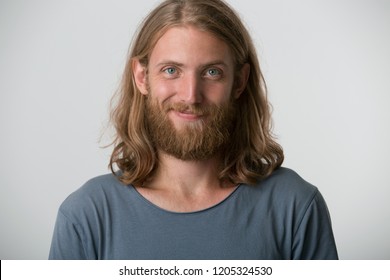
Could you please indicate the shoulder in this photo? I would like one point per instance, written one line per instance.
(96, 186)
(287, 181)
(283, 187)
(93, 195)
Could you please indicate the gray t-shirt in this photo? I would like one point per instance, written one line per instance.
(282, 217)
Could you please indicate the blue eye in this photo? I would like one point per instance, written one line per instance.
(213, 72)
(170, 70)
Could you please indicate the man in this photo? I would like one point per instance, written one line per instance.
(199, 172)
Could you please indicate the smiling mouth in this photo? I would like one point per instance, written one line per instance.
(188, 115)
(186, 109)
(190, 112)
(187, 112)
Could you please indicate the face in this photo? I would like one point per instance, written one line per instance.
(191, 90)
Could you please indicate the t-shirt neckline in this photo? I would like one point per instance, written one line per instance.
(149, 203)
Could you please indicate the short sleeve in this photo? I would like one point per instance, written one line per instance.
(67, 242)
(314, 236)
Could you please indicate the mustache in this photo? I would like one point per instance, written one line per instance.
(195, 109)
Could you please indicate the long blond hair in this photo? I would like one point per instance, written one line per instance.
(252, 153)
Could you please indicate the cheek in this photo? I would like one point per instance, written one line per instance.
(218, 92)
(162, 89)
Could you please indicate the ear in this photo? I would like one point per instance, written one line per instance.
(242, 80)
(140, 77)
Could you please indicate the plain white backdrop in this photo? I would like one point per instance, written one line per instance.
(327, 67)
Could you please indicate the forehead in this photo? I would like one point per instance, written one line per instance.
(190, 45)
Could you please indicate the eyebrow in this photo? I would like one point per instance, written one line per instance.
(169, 62)
(175, 63)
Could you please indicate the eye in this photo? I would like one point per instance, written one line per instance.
(213, 73)
(170, 70)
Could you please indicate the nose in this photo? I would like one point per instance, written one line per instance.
(191, 89)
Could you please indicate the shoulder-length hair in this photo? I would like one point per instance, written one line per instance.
(252, 153)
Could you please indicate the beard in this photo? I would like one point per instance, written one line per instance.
(194, 140)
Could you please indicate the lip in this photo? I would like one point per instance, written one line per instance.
(188, 116)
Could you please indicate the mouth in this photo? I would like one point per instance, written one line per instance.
(188, 115)
(187, 112)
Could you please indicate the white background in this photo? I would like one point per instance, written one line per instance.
(326, 64)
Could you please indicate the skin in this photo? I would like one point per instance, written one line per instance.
(188, 66)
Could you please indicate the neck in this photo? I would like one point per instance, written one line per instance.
(185, 176)
(185, 186)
